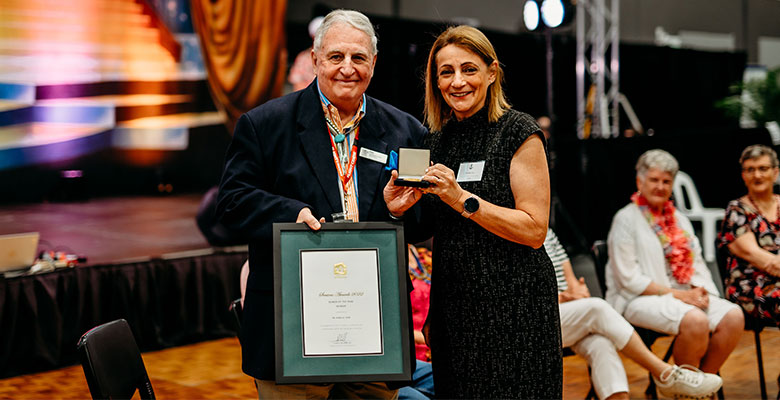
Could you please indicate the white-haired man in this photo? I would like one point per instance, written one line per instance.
(304, 157)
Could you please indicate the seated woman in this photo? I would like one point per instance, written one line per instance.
(420, 275)
(657, 278)
(751, 235)
(594, 330)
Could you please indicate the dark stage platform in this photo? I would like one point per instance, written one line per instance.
(147, 262)
(111, 230)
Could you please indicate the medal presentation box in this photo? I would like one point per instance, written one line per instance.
(341, 305)
(412, 164)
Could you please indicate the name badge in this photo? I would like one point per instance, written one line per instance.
(373, 155)
(470, 171)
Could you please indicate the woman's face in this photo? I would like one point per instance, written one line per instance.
(656, 187)
(759, 174)
(463, 79)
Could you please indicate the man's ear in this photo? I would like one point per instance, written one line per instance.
(314, 61)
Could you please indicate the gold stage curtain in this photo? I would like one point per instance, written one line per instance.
(243, 45)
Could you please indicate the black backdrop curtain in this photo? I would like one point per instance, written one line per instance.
(166, 302)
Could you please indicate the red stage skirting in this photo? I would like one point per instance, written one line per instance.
(165, 280)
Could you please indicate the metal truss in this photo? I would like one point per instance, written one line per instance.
(598, 30)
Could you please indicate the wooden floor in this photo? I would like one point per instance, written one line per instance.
(212, 370)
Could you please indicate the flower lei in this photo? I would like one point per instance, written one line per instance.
(675, 241)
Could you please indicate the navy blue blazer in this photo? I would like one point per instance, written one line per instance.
(280, 161)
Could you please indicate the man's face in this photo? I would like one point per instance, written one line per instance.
(344, 65)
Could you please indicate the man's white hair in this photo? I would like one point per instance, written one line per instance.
(354, 18)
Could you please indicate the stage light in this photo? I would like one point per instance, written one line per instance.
(531, 15)
(552, 13)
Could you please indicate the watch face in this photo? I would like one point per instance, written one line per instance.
(471, 205)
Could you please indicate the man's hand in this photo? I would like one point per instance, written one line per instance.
(307, 217)
(399, 198)
(696, 296)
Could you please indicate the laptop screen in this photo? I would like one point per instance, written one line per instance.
(17, 251)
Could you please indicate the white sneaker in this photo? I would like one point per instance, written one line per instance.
(687, 382)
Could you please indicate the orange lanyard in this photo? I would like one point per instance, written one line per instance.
(345, 177)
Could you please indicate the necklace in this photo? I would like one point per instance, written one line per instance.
(339, 136)
(755, 205)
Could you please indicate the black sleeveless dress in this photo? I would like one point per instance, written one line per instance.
(495, 328)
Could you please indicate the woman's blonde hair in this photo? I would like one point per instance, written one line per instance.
(437, 112)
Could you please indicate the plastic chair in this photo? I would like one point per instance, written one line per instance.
(112, 362)
(683, 189)
(751, 324)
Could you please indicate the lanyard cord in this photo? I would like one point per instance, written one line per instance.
(344, 176)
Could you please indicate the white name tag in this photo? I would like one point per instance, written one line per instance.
(373, 155)
(470, 171)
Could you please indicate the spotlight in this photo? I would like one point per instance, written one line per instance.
(531, 15)
(538, 14)
(552, 13)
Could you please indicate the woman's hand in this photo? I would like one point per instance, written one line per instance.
(399, 198)
(773, 266)
(419, 338)
(746, 247)
(577, 290)
(696, 296)
(580, 289)
(426, 331)
(444, 185)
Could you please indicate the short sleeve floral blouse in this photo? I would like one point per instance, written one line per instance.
(755, 290)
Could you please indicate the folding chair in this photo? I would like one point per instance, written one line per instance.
(112, 362)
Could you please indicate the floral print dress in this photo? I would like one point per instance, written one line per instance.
(754, 289)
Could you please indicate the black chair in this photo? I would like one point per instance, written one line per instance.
(237, 310)
(112, 362)
(582, 268)
(600, 255)
(751, 323)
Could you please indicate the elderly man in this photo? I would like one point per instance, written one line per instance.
(311, 156)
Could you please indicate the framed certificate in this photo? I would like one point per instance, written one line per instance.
(341, 304)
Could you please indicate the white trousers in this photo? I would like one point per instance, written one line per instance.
(595, 331)
(665, 313)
